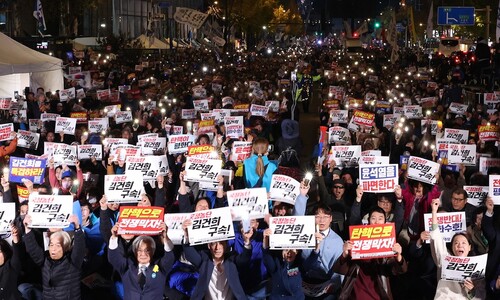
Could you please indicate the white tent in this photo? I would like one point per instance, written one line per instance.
(21, 66)
(151, 43)
(83, 43)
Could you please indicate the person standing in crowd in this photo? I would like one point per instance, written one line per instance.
(258, 169)
(10, 266)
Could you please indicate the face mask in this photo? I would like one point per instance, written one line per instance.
(66, 185)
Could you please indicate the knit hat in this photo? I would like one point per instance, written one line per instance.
(290, 129)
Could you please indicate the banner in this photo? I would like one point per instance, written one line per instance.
(81, 117)
(88, 151)
(284, 189)
(211, 226)
(339, 116)
(174, 225)
(462, 154)
(476, 194)
(241, 108)
(50, 211)
(378, 178)
(363, 118)
(295, 232)
(49, 117)
(339, 134)
(65, 125)
(98, 125)
(206, 127)
(201, 105)
(241, 151)
(345, 154)
(150, 166)
(457, 108)
(458, 135)
(448, 223)
(259, 110)
(7, 216)
(235, 127)
(180, 143)
(494, 188)
(413, 111)
(190, 17)
(140, 220)
(422, 170)
(200, 169)
(64, 154)
(202, 151)
(27, 139)
(123, 116)
(123, 188)
(458, 268)
(153, 145)
(5, 131)
(372, 241)
(248, 204)
(488, 132)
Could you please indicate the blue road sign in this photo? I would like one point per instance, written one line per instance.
(459, 15)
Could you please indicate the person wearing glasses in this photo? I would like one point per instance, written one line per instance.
(459, 203)
(393, 208)
(460, 246)
(318, 269)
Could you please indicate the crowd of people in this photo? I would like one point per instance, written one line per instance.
(93, 259)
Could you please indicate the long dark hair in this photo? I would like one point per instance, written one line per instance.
(6, 250)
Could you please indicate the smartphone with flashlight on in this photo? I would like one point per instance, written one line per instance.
(74, 187)
(307, 178)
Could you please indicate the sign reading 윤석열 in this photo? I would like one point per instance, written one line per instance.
(378, 178)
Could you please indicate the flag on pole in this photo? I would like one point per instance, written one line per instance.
(430, 21)
(40, 18)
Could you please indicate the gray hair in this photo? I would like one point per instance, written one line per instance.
(148, 241)
(63, 238)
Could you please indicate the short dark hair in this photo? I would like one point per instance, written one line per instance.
(6, 250)
(460, 191)
(324, 208)
(375, 209)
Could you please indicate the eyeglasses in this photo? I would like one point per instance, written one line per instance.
(322, 217)
(338, 187)
(384, 202)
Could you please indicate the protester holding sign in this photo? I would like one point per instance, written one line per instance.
(460, 246)
(367, 277)
(11, 147)
(10, 266)
(143, 275)
(61, 266)
(491, 231)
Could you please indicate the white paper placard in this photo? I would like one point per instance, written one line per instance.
(89, 150)
(487, 162)
(457, 108)
(448, 223)
(153, 145)
(65, 125)
(123, 116)
(284, 189)
(123, 188)
(274, 106)
(422, 169)
(457, 268)
(211, 226)
(201, 105)
(476, 194)
(295, 232)
(7, 216)
(98, 125)
(27, 139)
(338, 134)
(248, 203)
(259, 110)
(390, 120)
(5, 131)
(180, 143)
(49, 117)
(202, 169)
(50, 211)
(150, 166)
(345, 154)
(188, 114)
(174, 225)
(235, 127)
(458, 135)
(462, 154)
(339, 116)
(241, 151)
(64, 154)
(433, 126)
(413, 111)
(373, 160)
(378, 178)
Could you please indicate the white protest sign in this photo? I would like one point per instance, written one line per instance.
(235, 127)
(338, 134)
(5, 131)
(201, 105)
(462, 154)
(27, 139)
(180, 143)
(211, 226)
(458, 135)
(221, 114)
(202, 169)
(259, 110)
(457, 108)
(458, 268)
(35, 124)
(274, 106)
(248, 203)
(432, 125)
(191, 17)
(378, 178)
(50, 211)
(390, 120)
(207, 116)
(448, 223)
(413, 111)
(373, 160)
(120, 152)
(153, 145)
(150, 166)
(476, 194)
(284, 189)
(98, 125)
(345, 154)
(80, 94)
(371, 153)
(494, 188)
(339, 116)
(64, 154)
(174, 225)
(241, 151)
(397, 110)
(123, 188)
(88, 151)
(67, 94)
(422, 169)
(48, 117)
(111, 110)
(112, 143)
(188, 114)
(199, 91)
(7, 216)
(123, 117)
(65, 125)
(487, 162)
(295, 232)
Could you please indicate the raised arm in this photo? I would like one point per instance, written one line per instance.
(105, 219)
(488, 228)
(78, 251)
(34, 250)
(116, 253)
(438, 245)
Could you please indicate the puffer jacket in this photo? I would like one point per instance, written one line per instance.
(60, 278)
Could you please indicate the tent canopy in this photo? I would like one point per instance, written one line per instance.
(83, 43)
(151, 43)
(20, 65)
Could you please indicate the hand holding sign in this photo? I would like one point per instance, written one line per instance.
(27, 223)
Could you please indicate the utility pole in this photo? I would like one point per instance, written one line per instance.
(488, 20)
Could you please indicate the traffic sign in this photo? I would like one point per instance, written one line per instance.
(458, 15)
